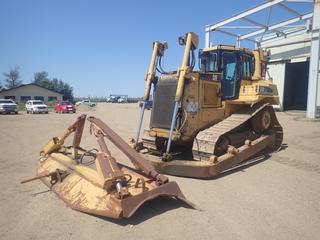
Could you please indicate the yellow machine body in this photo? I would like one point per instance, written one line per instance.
(206, 94)
(228, 89)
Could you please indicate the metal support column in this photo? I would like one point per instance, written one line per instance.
(238, 42)
(314, 63)
(207, 39)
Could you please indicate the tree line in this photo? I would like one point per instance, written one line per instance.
(12, 79)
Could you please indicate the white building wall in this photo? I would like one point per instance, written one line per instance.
(276, 71)
(291, 49)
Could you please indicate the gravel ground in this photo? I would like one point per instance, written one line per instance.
(275, 199)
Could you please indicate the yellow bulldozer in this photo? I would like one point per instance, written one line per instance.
(204, 122)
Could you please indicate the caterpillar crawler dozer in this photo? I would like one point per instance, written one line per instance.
(100, 186)
(207, 121)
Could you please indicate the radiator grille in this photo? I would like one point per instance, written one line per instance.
(163, 103)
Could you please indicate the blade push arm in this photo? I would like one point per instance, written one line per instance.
(158, 50)
(191, 41)
(135, 157)
(55, 143)
(107, 166)
(157, 53)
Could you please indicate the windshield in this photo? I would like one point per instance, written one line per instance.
(6, 101)
(209, 62)
(38, 103)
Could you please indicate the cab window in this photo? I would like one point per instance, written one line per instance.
(209, 62)
(247, 67)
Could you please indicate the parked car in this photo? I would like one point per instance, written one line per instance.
(65, 107)
(36, 106)
(8, 106)
(86, 102)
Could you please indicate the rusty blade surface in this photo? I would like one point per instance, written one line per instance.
(82, 189)
(171, 189)
(110, 189)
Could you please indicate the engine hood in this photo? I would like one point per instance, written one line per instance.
(40, 105)
(8, 105)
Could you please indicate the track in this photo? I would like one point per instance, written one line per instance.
(149, 142)
(208, 141)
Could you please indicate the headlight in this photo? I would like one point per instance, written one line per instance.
(265, 90)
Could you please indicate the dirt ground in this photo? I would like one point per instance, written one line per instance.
(275, 199)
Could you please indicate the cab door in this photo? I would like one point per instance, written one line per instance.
(230, 81)
(210, 92)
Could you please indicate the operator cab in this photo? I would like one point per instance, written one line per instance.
(231, 64)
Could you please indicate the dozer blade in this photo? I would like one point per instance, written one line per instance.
(110, 189)
(83, 191)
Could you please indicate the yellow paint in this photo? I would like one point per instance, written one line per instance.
(202, 90)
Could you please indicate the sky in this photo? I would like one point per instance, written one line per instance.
(102, 47)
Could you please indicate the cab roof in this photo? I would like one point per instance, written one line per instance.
(227, 47)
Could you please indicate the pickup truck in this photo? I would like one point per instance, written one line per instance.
(8, 106)
(86, 102)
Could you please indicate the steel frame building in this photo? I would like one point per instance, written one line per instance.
(270, 32)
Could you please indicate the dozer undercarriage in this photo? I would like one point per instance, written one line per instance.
(109, 189)
(223, 146)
